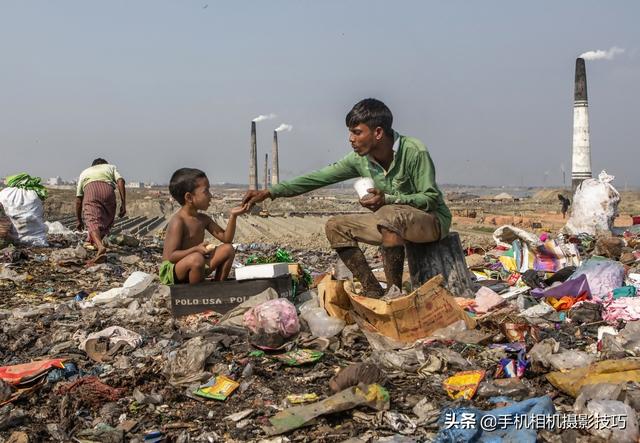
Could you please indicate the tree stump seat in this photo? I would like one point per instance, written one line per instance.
(446, 257)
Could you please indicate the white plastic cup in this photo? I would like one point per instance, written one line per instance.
(362, 185)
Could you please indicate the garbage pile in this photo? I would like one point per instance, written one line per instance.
(547, 350)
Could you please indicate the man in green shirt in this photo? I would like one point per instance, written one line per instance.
(406, 203)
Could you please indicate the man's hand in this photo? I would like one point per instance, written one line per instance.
(253, 197)
(80, 225)
(123, 211)
(374, 200)
(239, 210)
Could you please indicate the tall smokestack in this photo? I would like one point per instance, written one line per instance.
(581, 161)
(253, 159)
(275, 168)
(266, 171)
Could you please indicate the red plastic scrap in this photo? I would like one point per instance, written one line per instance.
(17, 374)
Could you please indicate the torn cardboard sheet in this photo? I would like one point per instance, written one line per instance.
(414, 316)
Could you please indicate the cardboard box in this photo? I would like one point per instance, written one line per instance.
(413, 316)
(223, 296)
(334, 299)
(270, 270)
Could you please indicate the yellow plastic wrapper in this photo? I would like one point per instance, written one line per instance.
(218, 388)
(296, 399)
(463, 384)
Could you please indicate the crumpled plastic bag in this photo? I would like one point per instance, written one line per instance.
(57, 228)
(272, 323)
(486, 300)
(595, 206)
(624, 431)
(603, 276)
(186, 365)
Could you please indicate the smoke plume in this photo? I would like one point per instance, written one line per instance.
(264, 117)
(600, 54)
(284, 127)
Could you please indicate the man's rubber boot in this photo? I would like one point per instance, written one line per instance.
(393, 262)
(355, 260)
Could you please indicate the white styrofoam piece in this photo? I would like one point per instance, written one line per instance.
(262, 271)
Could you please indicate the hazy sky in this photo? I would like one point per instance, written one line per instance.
(156, 85)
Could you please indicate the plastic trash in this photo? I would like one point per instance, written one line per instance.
(26, 212)
(486, 300)
(624, 431)
(603, 276)
(463, 384)
(321, 324)
(136, 283)
(272, 323)
(566, 360)
(186, 365)
(541, 352)
(595, 206)
(508, 387)
(453, 429)
(600, 391)
(57, 228)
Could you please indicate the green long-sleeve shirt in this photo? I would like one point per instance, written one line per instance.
(410, 180)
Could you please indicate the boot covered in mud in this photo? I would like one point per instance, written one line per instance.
(393, 262)
(355, 260)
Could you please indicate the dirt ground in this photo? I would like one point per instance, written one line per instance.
(299, 222)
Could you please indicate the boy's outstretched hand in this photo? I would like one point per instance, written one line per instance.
(239, 210)
(253, 197)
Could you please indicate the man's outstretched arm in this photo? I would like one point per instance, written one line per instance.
(335, 173)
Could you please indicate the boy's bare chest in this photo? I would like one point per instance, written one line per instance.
(194, 231)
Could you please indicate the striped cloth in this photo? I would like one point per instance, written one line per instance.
(99, 207)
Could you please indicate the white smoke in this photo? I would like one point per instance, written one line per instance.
(600, 54)
(264, 117)
(284, 127)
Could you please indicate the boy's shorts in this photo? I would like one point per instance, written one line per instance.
(167, 273)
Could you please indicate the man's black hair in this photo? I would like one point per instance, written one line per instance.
(372, 113)
(99, 161)
(184, 180)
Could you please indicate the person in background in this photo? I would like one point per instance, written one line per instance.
(96, 202)
(565, 202)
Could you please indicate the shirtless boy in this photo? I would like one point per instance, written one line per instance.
(186, 255)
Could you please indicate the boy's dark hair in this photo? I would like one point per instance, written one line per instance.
(99, 161)
(184, 180)
(372, 113)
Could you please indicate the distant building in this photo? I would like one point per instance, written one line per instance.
(54, 181)
(135, 185)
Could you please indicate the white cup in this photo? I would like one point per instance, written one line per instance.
(362, 185)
